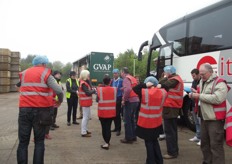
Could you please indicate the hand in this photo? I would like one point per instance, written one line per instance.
(57, 104)
(77, 92)
(123, 102)
(190, 95)
(149, 84)
(158, 86)
(194, 95)
(193, 90)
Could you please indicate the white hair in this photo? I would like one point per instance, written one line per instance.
(208, 67)
(84, 74)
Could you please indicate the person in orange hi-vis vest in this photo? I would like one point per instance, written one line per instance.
(149, 122)
(173, 84)
(229, 128)
(130, 101)
(212, 97)
(106, 96)
(35, 104)
(85, 98)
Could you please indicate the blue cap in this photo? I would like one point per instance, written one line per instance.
(115, 70)
(170, 69)
(151, 79)
(40, 59)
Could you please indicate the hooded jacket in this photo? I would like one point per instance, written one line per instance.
(207, 99)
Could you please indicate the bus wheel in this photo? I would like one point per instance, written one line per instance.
(187, 115)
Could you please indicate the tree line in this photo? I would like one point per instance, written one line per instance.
(127, 59)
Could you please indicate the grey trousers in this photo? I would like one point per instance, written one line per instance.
(212, 140)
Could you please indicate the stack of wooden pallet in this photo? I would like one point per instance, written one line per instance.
(5, 74)
(9, 70)
(14, 70)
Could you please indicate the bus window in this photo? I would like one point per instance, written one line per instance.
(175, 34)
(211, 31)
(165, 58)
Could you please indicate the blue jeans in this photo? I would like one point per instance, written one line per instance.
(28, 119)
(129, 119)
(154, 155)
(197, 124)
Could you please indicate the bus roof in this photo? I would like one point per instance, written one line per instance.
(199, 12)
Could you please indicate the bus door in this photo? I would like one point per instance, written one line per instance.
(165, 58)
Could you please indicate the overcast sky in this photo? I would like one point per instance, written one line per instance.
(67, 30)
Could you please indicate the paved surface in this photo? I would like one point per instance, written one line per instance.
(67, 146)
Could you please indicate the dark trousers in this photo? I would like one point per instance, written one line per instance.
(154, 155)
(171, 136)
(28, 119)
(117, 119)
(72, 109)
(47, 129)
(106, 126)
(54, 115)
(129, 119)
(162, 130)
(212, 140)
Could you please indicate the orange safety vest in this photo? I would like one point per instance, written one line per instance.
(34, 91)
(175, 95)
(220, 109)
(133, 84)
(150, 114)
(229, 128)
(107, 97)
(85, 101)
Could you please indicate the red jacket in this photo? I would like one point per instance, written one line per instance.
(34, 91)
(107, 97)
(133, 84)
(229, 128)
(85, 101)
(150, 114)
(175, 95)
(220, 109)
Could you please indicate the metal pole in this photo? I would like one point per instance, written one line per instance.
(134, 68)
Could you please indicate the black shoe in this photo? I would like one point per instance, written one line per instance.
(114, 130)
(161, 138)
(126, 141)
(134, 139)
(118, 133)
(69, 124)
(52, 128)
(55, 126)
(167, 156)
(86, 135)
(76, 123)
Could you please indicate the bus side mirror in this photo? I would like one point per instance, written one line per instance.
(140, 50)
(140, 56)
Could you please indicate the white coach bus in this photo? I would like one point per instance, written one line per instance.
(204, 36)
